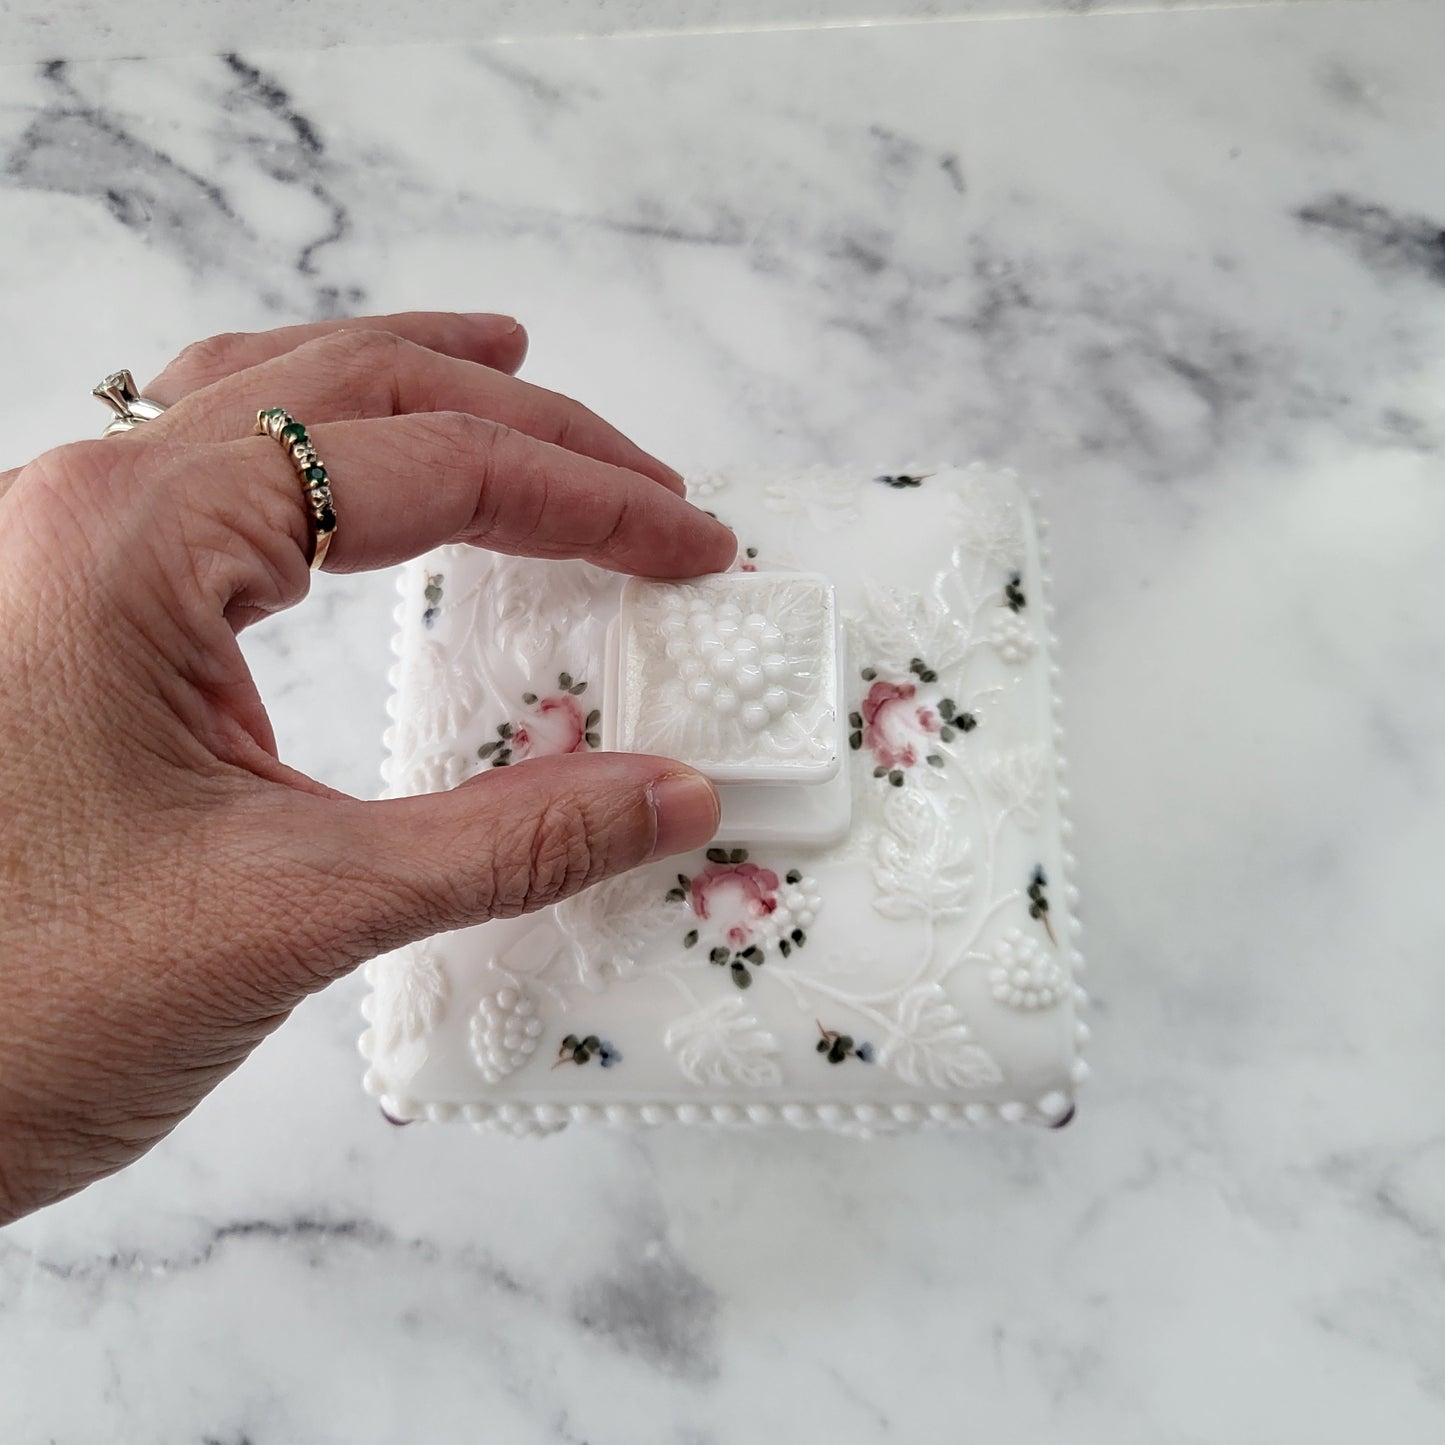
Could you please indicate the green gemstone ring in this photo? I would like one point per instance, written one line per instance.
(278, 424)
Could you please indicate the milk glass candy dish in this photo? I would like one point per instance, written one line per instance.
(884, 933)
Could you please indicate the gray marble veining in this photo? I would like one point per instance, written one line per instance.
(1185, 272)
(93, 29)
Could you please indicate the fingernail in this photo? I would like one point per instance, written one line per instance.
(685, 811)
(502, 325)
(670, 478)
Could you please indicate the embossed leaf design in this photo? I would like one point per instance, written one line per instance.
(828, 499)
(532, 607)
(609, 924)
(1019, 776)
(922, 865)
(721, 1045)
(928, 1044)
(438, 694)
(988, 526)
(411, 993)
(895, 627)
(416, 996)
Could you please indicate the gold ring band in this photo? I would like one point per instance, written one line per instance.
(278, 424)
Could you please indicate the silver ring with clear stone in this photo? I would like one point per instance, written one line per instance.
(119, 392)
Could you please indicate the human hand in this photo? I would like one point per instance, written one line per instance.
(171, 890)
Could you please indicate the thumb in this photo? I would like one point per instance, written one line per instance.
(511, 841)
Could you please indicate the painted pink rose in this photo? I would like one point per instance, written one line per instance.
(895, 726)
(557, 725)
(736, 896)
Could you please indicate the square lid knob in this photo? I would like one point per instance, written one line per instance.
(736, 675)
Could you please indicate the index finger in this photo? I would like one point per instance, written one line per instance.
(403, 485)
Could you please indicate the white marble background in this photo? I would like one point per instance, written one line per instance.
(1186, 271)
(98, 29)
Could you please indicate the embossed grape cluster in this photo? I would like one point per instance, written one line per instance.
(1012, 639)
(733, 663)
(797, 908)
(1025, 974)
(505, 1031)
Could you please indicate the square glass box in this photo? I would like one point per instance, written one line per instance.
(884, 935)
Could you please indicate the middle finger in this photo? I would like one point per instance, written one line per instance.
(352, 375)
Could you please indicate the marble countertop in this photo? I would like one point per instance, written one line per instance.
(1185, 271)
(38, 30)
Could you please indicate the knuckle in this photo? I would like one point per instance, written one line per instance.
(620, 527)
(506, 509)
(360, 363)
(452, 439)
(211, 358)
(77, 463)
(364, 345)
(465, 448)
(69, 506)
(61, 485)
(570, 423)
(551, 861)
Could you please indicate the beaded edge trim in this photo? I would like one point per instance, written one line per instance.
(1053, 1110)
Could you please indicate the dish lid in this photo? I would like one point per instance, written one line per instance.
(884, 933)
